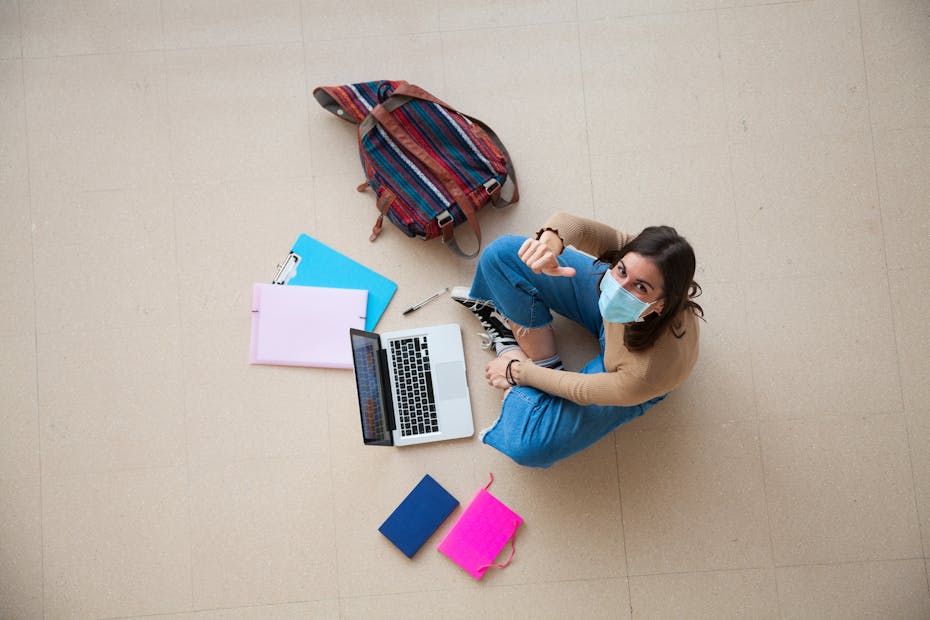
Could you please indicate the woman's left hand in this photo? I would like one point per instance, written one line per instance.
(494, 373)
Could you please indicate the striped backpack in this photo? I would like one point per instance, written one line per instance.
(431, 167)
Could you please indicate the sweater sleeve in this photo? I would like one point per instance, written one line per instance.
(587, 235)
(604, 388)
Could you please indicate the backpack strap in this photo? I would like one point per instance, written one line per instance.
(397, 132)
(404, 92)
(509, 192)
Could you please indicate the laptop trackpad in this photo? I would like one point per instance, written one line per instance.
(449, 381)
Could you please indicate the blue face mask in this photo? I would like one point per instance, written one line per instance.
(617, 304)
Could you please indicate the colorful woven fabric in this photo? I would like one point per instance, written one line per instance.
(424, 160)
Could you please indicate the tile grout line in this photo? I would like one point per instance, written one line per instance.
(167, 50)
(307, 99)
(584, 111)
(756, 420)
(180, 321)
(891, 305)
(776, 567)
(616, 450)
(35, 305)
(327, 374)
(626, 555)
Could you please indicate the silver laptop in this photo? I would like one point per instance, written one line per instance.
(411, 385)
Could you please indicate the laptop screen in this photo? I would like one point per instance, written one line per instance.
(368, 380)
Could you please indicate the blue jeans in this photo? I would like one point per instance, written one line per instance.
(534, 428)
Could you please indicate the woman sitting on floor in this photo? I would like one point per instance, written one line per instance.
(636, 298)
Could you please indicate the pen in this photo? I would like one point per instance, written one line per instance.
(420, 304)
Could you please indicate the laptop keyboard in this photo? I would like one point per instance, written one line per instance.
(415, 405)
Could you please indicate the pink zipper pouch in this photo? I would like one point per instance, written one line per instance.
(478, 536)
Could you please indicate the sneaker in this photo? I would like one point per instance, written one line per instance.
(494, 324)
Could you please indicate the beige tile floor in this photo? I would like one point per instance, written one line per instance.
(159, 156)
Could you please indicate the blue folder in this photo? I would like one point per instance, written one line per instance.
(312, 263)
(418, 516)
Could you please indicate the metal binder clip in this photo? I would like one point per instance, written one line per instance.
(287, 269)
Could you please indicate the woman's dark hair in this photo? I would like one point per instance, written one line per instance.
(674, 257)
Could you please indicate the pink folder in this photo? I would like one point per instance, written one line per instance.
(480, 533)
(305, 325)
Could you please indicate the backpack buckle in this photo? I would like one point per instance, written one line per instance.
(445, 222)
(493, 187)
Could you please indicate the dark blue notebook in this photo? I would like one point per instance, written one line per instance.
(418, 516)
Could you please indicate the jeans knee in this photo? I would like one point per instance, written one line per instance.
(529, 455)
(502, 250)
(532, 460)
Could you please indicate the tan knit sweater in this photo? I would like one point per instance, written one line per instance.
(631, 377)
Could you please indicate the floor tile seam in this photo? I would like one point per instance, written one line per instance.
(219, 182)
(65, 187)
(71, 330)
(194, 464)
(100, 54)
(790, 137)
(781, 139)
(734, 210)
(532, 24)
(861, 562)
(762, 4)
(307, 89)
(901, 269)
(424, 590)
(654, 147)
(505, 27)
(245, 179)
(585, 119)
(181, 373)
(747, 319)
(894, 324)
(194, 609)
(759, 421)
(817, 275)
(206, 463)
(884, 130)
(333, 482)
(444, 78)
(471, 586)
(76, 475)
(579, 21)
(915, 484)
(876, 127)
(775, 567)
(927, 571)
(441, 31)
(166, 50)
(623, 525)
(35, 318)
(889, 413)
(293, 43)
(705, 571)
(760, 447)
(171, 182)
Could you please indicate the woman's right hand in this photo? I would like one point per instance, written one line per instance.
(538, 256)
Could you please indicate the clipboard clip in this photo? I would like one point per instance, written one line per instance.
(287, 269)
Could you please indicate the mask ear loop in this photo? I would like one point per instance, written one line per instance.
(513, 538)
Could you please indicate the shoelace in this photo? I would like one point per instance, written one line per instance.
(492, 337)
(489, 340)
